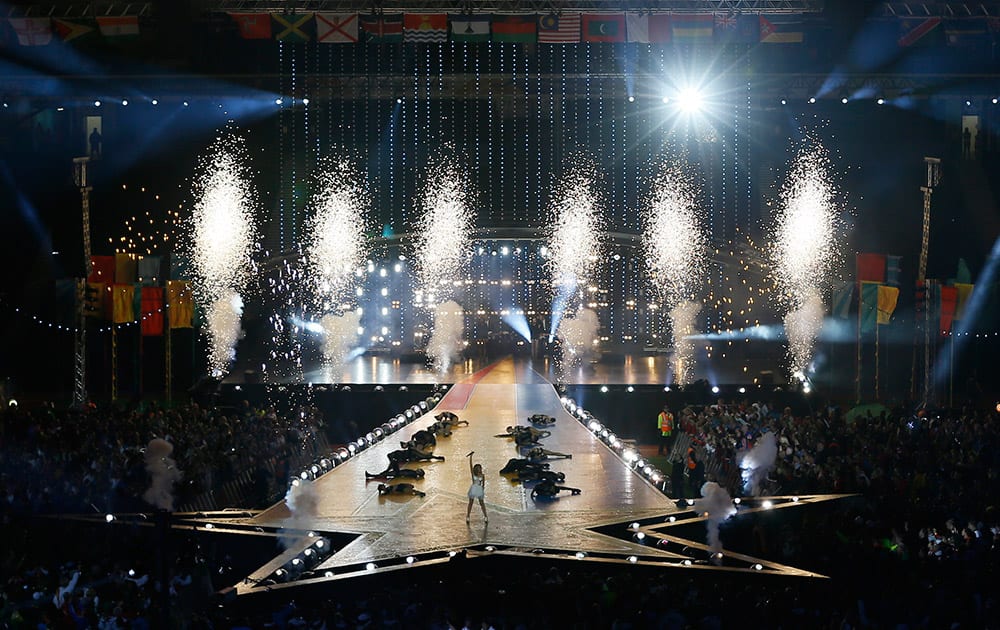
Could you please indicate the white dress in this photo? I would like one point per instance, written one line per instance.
(476, 490)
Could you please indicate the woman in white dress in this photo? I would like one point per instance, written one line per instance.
(477, 490)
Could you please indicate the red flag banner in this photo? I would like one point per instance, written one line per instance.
(253, 25)
(102, 269)
(871, 268)
(949, 300)
(152, 311)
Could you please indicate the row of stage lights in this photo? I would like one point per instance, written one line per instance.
(688, 102)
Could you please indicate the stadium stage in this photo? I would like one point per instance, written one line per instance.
(340, 526)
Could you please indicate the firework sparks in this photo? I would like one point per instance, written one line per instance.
(340, 335)
(443, 233)
(222, 235)
(578, 337)
(575, 237)
(676, 245)
(336, 228)
(805, 238)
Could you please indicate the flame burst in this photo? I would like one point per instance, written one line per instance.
(805, 241)
(676, 248)
(444, 230)
(335, 231)
(221, 239)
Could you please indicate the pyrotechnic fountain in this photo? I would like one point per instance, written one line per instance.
(441, 249)
(338, 212)
(222, 235)
(575, 245)
(675, 245)
(805, 239)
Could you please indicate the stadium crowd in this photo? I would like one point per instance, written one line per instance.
(922, 521)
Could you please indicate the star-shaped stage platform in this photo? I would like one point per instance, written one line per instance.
(620, 515)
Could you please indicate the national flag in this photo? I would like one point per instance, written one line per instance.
(868, 306)
(964, 32)
(648, 28)
(781, 29)
(150, 269)
(125, 268)
(253, 25)
(559, 28)
(736, 29)
(469, 28)
(118, 26)
(871, 268)
(948, 302)
(692, 28)
(922, 30)
(887, 298)
(70, 30)
(337, 28)
(382, 28)
(425, 27)
(515, 27)
(180, 303)
(963, 293)
(293, 27)
(151, 310)
(603, 27)
(32, 31)
(102, 269)
(122, 297)
(840, 305)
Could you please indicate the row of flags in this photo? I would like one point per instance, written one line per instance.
(552, 28)
(125, 303)
(878, 287)
(127, 287)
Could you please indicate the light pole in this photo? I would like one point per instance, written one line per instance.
(80, 336)
(933, 179)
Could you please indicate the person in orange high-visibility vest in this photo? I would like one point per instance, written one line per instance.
(665, 425)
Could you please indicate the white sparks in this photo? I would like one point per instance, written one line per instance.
(443, 231)
(805, 239)
(575, 239)
(222, 236)
(578, 338)
(340, 335)
(445, 345)
(335, 231)
(684, 327)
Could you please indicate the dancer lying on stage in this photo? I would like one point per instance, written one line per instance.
(450, 420)
(519, 464)
(395, 472)
(548, 490)
(541, 420)
(412, 455)
(400, 488)
(422, 440)
(531, 474)
(524, 436)
(538, 454)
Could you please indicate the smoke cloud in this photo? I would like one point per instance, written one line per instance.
(340, 336)
(302, 500)
(577, 335)
(717, 506)
(223, 317)
(684, 326)
(445, 345)
(163, 473)
(802, 327)
(756, 462)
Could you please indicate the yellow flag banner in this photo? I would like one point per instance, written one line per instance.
(180, 303)
(125, 266)
(887, 298)
(122, 299)
(964, 292)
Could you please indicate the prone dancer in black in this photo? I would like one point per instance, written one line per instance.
(548, 490)
(400, 488)
(395, 472)
(533, 474)
(538, 454)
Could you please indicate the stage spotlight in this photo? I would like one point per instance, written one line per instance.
(631, 99)
(604, 389)
(968, 103)
(784, 102)
(155, 102)
(209, 526)
(743, 390)
(633, 559)
(185, 103)
(690, 100)
(880, 101)
(758, 567)
(124, 102)
(795, 499)
(667, 388)
(630, 389)
(666, 99)
(844, 100)
(109, 517)
(410, 559)
(812, 99)
(767, 505)
(686, 563)
(370, 566)
(580, 555)
(671, 519)
(328, 574)
(97, 103)
(305, 101)
(278, 101)
(634, 526)
(640, 535)
(995, 100)
(737, 500)
(399, 101)
(715, 389)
